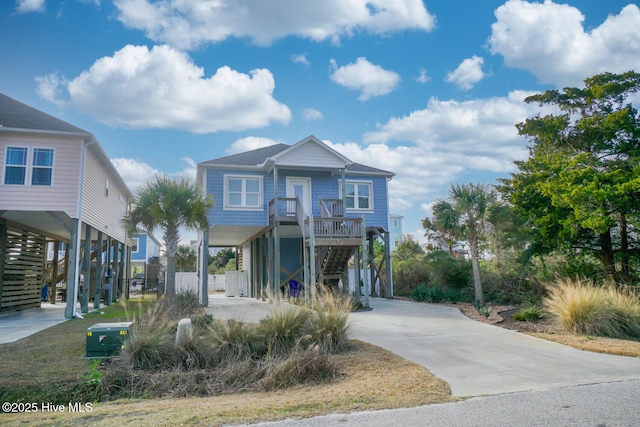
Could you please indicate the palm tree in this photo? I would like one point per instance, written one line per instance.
(468, 210)
(169, 204)
(185, 258)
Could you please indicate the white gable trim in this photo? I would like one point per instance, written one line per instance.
(298, 155)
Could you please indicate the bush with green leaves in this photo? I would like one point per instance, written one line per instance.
(453, 271)
(529, 314)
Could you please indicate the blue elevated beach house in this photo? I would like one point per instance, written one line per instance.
(298, 216)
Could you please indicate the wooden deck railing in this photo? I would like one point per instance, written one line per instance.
(331, 207)
(283, 206)
(335, 228)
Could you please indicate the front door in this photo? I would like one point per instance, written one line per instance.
(301, 188)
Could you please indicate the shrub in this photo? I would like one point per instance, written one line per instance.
(151, 343)
(584, 308)
(233, 340)
(283, 330)
(426, 294)
(328, 327)
(300, 367)
(528, 314)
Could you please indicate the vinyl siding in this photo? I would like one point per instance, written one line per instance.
(323, 184)
(62, 196)
(102, 212)
(219, 216)
(310, 155)
(380, 215)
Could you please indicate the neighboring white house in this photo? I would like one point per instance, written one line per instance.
(57, 186)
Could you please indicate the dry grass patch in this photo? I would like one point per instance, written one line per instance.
(613, 346)
(371, 378)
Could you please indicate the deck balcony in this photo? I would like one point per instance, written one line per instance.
(329, 229)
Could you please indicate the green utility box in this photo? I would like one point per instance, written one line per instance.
(106, 339)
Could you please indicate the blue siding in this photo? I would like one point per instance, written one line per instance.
(323, 184)
(142, 248)
(219, 216)
(380, 215)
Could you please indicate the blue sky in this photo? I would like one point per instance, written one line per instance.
(430, 90)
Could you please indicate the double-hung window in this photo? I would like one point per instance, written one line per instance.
(25, 166)
(359, 196)
(42, 170)
(15, 171)
(243, 192)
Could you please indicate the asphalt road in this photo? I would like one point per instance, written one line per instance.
(615, 404)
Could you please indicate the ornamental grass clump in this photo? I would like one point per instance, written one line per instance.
(328, 327)
(284, 329)
(585, 308)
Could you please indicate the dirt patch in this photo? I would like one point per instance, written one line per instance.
(502, 315)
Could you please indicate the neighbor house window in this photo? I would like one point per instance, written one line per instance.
(134, 245)
(395, 223)
(24, 166)
(42, 170)
(15, 171)
(243, 192)
(359, 195)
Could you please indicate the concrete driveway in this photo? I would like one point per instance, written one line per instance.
(478, 359)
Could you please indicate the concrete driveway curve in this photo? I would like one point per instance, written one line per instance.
(479, 359)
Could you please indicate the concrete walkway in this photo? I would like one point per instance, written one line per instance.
(20, 324)
(478, 359)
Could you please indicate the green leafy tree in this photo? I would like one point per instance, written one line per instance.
(409, 267)
(219, 261)
(169, 204)
(186, 259)
(443, 233)
(468, 209)
(580, 186)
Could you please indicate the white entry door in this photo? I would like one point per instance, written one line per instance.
(300, 187)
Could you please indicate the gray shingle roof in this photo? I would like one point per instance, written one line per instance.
(258, 157)
(250, 158)
(15, 114)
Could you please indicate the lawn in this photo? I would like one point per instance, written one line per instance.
(52, 360)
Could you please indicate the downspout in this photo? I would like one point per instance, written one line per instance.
(83, 153)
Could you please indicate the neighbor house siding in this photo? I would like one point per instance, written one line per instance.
(101, 211)
(62, 195)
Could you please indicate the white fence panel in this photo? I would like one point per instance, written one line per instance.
(188, 282)
(217, 282)
(237, 284)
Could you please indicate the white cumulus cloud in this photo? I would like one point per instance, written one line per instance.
(468, 73)
(134, 172)
(250, 143)
(188, 24)
(362, 75)
(423, 77)
(300, 58)
(163, 88)
(27, 6)
(311, 114)
(432, 148)
(549, 40)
